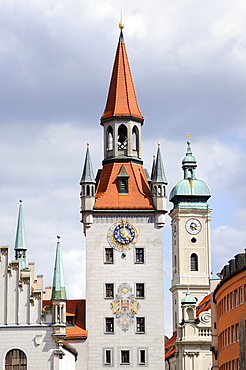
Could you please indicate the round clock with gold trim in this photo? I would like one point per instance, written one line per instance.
(122, 235)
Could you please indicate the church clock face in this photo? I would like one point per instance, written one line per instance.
(193, 226)
(122, 235)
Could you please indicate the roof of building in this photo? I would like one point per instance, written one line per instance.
(204, 305)
(74, 308)
(138, 196)
(20, 240)
(170, 348)
(190, 192)
(122, 99)
(58, 288)
(158, 172)
(88, 174)
(188, 299)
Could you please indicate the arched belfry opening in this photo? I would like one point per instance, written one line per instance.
(109, 138)
(135, 140)
(122, 137)
(194, 262)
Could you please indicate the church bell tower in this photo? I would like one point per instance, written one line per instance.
(123, 216)
(191, 266)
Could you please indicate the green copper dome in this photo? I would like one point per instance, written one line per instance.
(188, 299)
(190, 192)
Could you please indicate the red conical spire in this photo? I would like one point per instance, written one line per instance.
(122, 99)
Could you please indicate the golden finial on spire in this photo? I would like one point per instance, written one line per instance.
(121, 25)
(87, 144)
(158, 144)
(188, 135)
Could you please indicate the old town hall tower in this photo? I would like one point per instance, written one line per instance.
(123, 217)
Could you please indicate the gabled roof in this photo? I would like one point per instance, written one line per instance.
(138, 196)
(122, 99)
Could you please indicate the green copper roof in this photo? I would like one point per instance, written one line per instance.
(158, 171)
(190, 192)
(188, 299)
(88, 175)
(20, 240)
(58, 288)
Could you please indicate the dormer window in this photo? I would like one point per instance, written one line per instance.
(123, 180)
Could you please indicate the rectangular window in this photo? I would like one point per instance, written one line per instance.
(109, 290)
(109, 324)
(142, 357)
(139, 255)
(140, 325)
(236, 297)
(139, 290)
(70, 320)
(240, 295)
(109, 255)
(108, 357)
(125, 357)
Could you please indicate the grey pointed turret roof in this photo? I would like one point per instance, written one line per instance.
(20, 239)
(159, 172)
(123, 172)
(87, 175)
(58, 287)
(153, 168)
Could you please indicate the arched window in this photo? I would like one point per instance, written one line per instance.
(135, 139)
(88, 190)
(194, 262)
(122, 137)
(109, 138)
(15, 359)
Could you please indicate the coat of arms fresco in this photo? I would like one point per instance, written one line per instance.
(124, 307)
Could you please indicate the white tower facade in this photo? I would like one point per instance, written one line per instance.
(124, 247)
(191, 255)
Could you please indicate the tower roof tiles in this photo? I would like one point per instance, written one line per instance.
(122, 99)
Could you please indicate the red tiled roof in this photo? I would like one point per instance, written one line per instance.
(122, 100)
(76, 308)
(170, 349)
(204, 305)
(138, 196)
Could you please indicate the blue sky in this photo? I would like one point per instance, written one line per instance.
(188, 64)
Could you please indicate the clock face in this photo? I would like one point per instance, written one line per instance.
(175, 228)
(193, 226)
(122, 235)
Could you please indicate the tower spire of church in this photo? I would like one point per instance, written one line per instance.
(20, 240)
(87, 175)
(58, 288)
(158, 170)
(122, 99)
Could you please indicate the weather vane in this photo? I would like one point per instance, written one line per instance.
(188, 135)
(121, 25)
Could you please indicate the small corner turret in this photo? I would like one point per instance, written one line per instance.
(87, 194)
(59, 296)
(158, 186)
(20, 240)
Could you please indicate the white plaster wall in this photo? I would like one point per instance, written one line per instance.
(125, 270)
